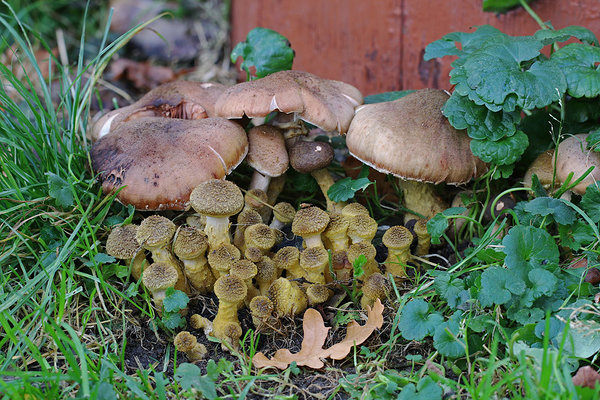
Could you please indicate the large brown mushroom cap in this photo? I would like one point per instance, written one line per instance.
(266, 150)
(178, 99)
(325, 103)
(573, 156)
(160, 160)
(411, 138)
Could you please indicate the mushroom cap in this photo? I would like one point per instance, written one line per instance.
(306, 157)
(317, 293)
(261, 306)
(255, 198)
(397, 237)
(230, 288)
(190, 242)
(284, 212)
(185, 341)
(159, 276)
(266, 270)
(314, 259)
(253, 254)
(375, 286)
(217, 198)
(178, 99)
(325, 103)
(121, 242)
(245, 269)
(365, 248)
(266, 150)
(338, 225)
(411, 138)
(155, 231)
(362, 226)
(249, 217)
(310, 221)
(287, 257)
(259, 235)
(159, 161)
(420, 228)
(573, 156)
(223, 256)
(543, 168)
(353, 209)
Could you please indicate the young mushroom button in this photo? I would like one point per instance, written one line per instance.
(309, 223)
(267, 154)
(572, 156)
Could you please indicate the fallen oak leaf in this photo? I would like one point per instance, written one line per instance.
(356, 334)
(311, 351)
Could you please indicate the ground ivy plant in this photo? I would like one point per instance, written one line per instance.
(499, 78)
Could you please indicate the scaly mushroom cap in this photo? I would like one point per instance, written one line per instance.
(356, 249)
(190, 243)
(121, 242)
(231, 289)
(266, 150)
(325, 103)
(573, 156)
(267, 271)
(217, 198)
(185, 341)
(261, 307)
(284, 212)
(160, 160)
(287, 297)
(314, 261)
(260, 236)
(362, 227)
(159, 276)
(155, 231)
(376, 286)
(317, 294)
(310, 221)
(287, 257)
(223, 256)
(352, 209)
(306, 157)
(179, 99)
(411, 138)
(244, 269)
(397, 237)
(253, 254)
(255, 199)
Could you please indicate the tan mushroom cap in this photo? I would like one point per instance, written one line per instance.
(155, 231)
(543, 168)
(573, 156)
(190, 243)
(178, 99)
(231, 289)
(160, 160)
(159, 276)
(325, 103)
(217, 198)
(411, 138)
(284, 212)
(121, 242)
(309, 221)
(267, 153)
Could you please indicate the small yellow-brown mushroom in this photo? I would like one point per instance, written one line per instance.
(287, 297)
(190, 247)
(375, 287)
(397, 239)
(188, 344)
(230, 290)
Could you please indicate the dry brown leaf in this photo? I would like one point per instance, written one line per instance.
(143, 75)
(586, 376)
(311, 353)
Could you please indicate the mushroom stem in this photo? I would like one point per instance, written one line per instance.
(259, 181)
(325, 180)
(137, 265)
(421, 198)
(217, 230)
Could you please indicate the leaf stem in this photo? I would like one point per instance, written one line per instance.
(533, 14)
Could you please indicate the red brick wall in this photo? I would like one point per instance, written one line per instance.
(377, 45)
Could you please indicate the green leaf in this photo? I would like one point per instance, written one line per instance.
(479, 121)
(450, 289)
(299, 182)
(544, 206)
(529, 247)
(504, 151)
(386, 96)
(470, 41)
(173, 320)
(437, 225)
(346, 188)
(59, 190)
(359, 263)
(446, 338)
(500, 5)
(590, 203)
(426, 389)
(498, 286)
(548, 36)
(175, 300)
(543, 281)
(265, 50)
(579, 63)
(189, 376)
(100, 259)
(576, 235)
(417, 320)
(593, 140)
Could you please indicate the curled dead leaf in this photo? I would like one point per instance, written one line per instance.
(311, 353)
(586, 376)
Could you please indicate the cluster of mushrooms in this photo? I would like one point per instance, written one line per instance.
(173, 148)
